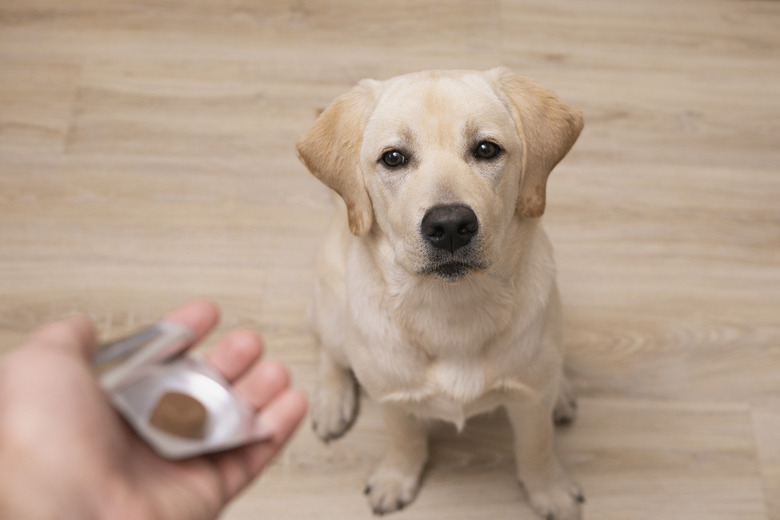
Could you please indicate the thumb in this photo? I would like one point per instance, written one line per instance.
(74, 334)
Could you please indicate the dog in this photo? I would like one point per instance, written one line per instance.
(435, 284)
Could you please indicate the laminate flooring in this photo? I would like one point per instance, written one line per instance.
(147, 157)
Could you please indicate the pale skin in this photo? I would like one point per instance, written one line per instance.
(65, 453)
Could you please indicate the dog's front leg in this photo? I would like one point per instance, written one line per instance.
(395, 482)
(551, 492)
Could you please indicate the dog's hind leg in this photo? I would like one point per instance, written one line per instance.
(565, 411)
(335, 403)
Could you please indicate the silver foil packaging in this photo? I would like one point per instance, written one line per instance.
(180, 405)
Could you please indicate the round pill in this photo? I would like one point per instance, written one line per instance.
(181, 415)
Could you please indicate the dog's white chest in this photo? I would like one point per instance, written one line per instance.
(451, 390)
(460, 381)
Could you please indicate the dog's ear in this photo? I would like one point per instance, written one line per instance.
(331, 151)
(548, 129)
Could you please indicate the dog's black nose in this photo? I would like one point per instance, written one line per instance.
(449, 227)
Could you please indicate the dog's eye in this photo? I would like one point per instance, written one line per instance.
(393, 159)
(487, 150)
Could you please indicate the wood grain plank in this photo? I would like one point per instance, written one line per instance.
(147, 157)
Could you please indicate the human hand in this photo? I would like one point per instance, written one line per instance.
(65, 453)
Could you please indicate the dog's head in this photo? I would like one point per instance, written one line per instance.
(441, 162)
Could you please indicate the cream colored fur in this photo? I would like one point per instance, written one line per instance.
(423, 344)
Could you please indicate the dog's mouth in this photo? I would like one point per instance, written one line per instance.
(452, 271)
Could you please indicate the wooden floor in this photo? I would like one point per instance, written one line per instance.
(146, 158)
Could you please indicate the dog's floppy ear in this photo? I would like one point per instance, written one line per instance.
(548, 129)
(331, 151)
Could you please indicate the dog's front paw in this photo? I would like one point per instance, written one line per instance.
(561, 500)
(334, 407)
(391, 490)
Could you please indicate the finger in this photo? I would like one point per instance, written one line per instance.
(239, 467)
(200, 315)
(236, 353)
(277, 422)
(75, 334)
(263, 382)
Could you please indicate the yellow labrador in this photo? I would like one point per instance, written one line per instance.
(436, 283)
